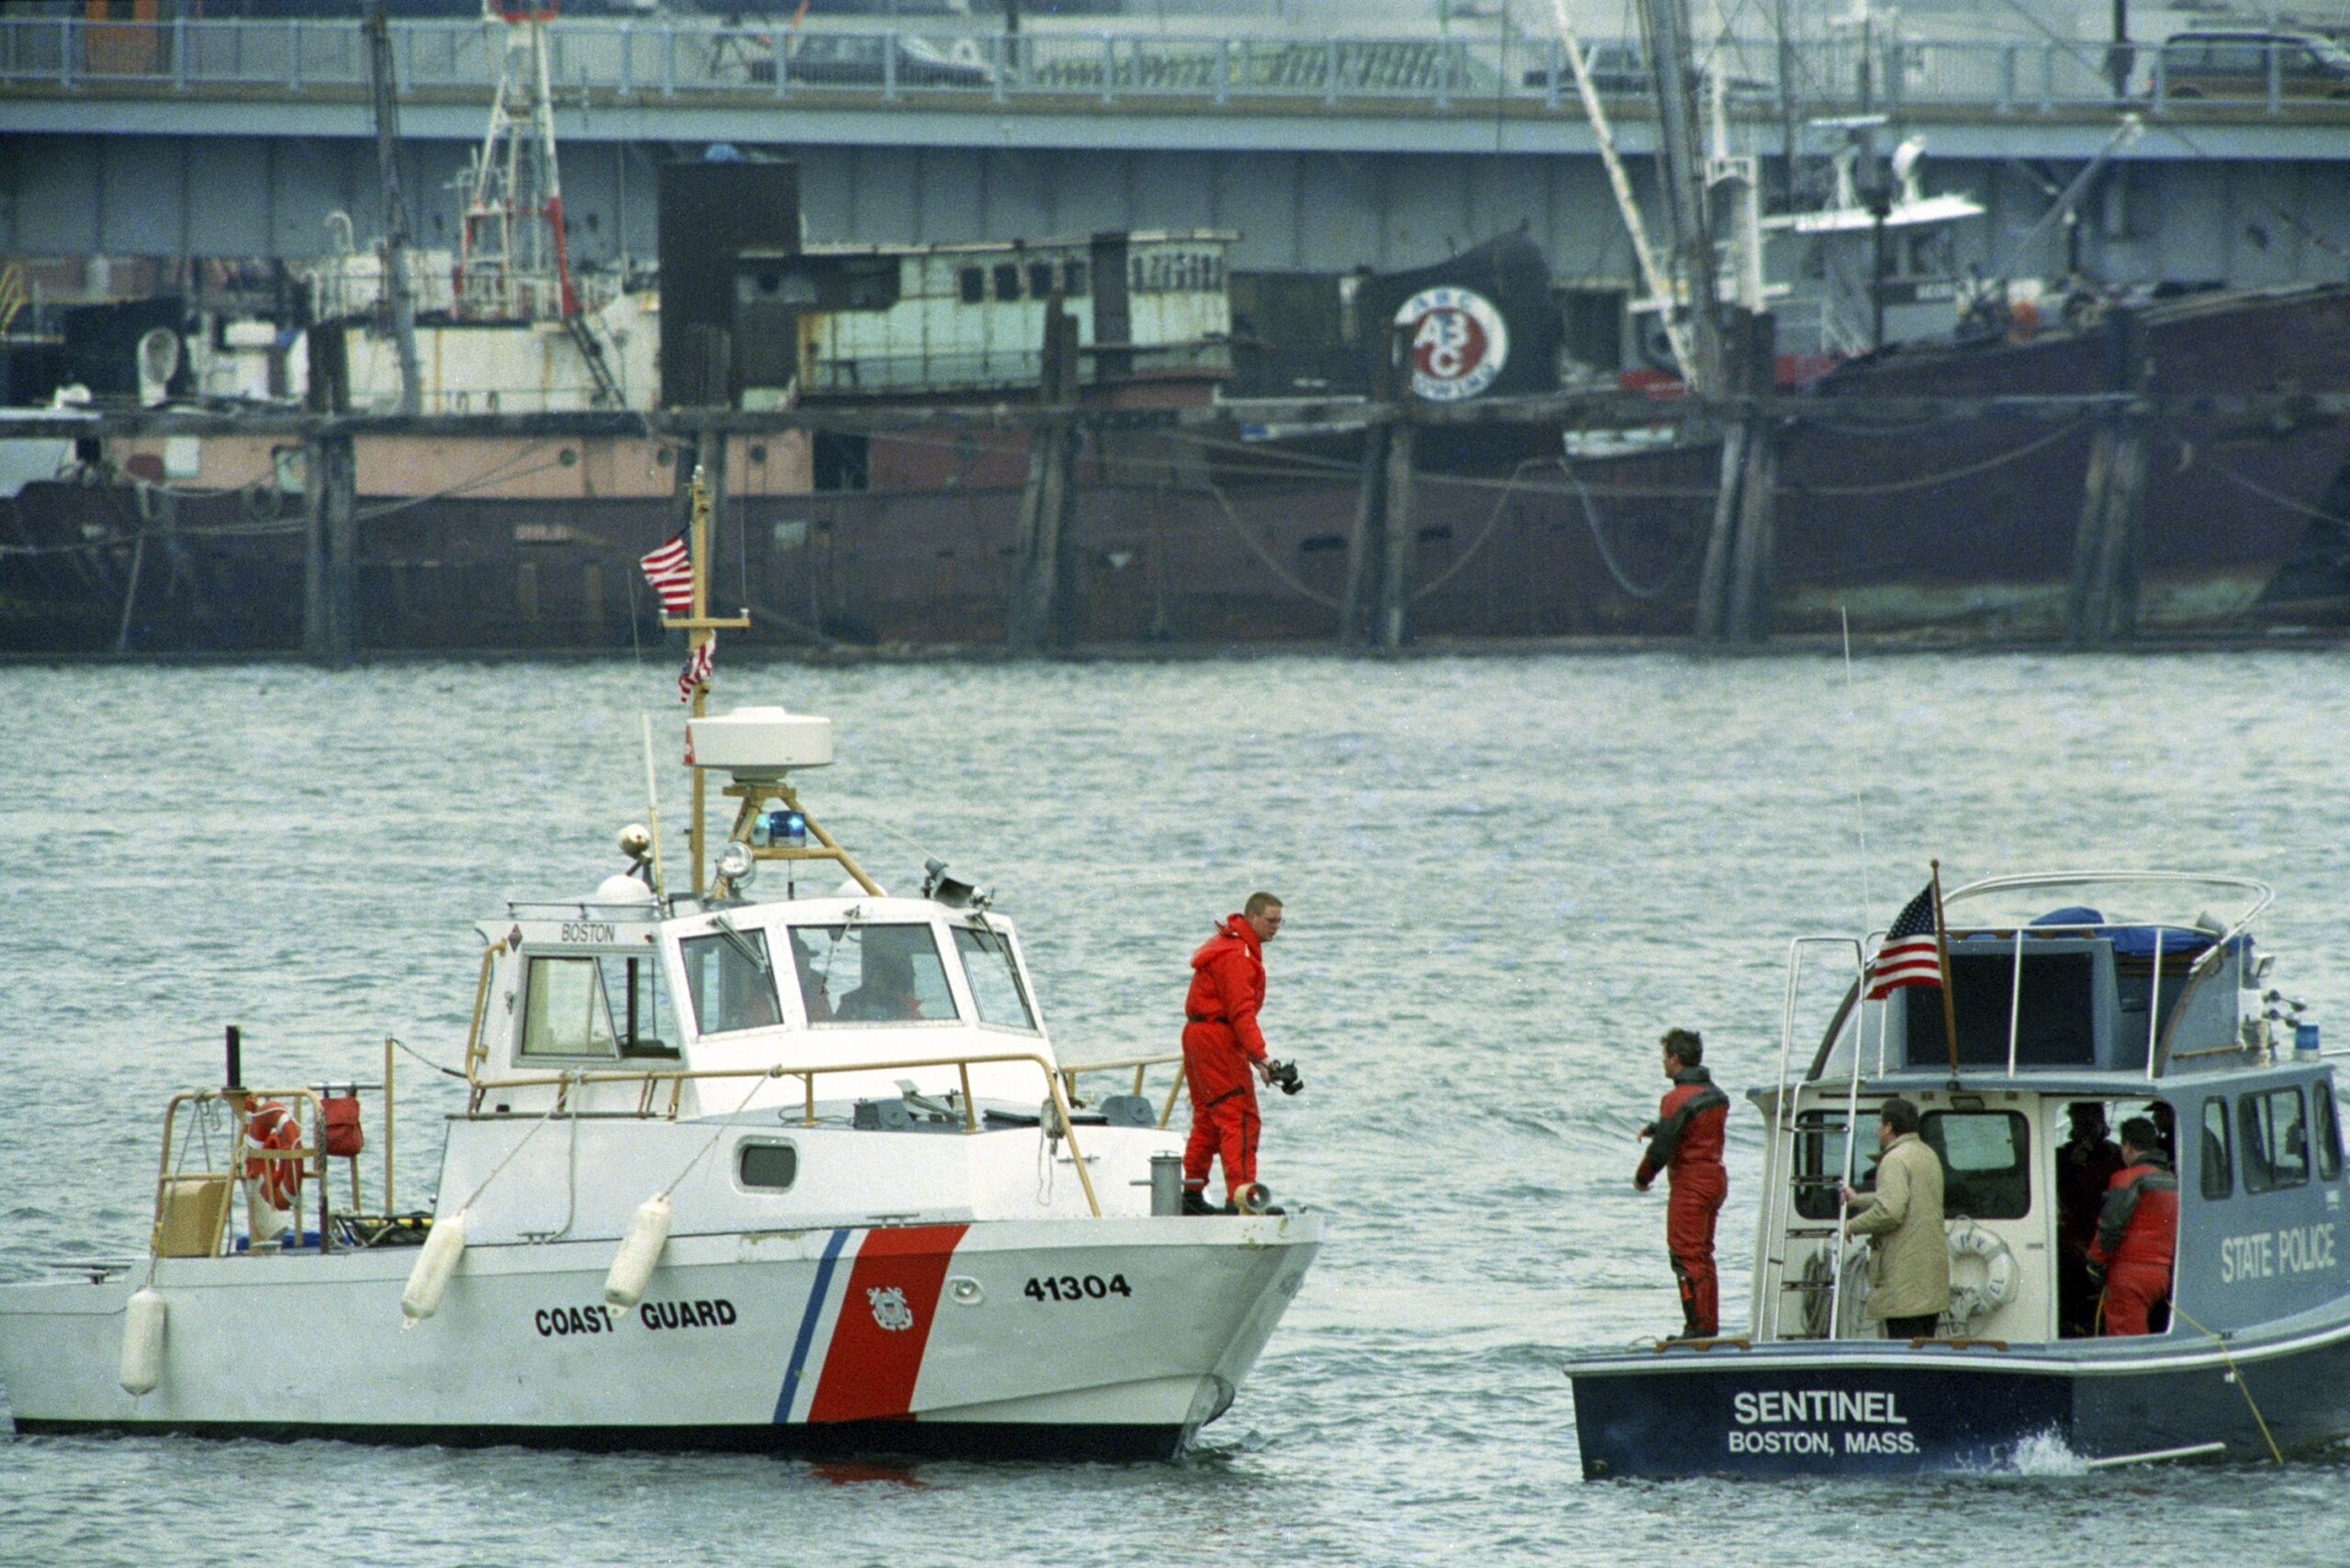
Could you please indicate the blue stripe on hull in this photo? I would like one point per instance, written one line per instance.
(799, 1346)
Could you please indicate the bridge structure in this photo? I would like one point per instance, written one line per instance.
(1324, 154)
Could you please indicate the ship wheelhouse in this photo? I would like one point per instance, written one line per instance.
(2054, 1001)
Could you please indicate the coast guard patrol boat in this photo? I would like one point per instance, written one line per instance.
(804, 1174)
(2142, 993)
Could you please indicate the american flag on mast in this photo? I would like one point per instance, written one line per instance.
(671, 571)
(699, 665)
(1910, 955)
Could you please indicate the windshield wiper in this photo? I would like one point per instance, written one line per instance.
(750, 950)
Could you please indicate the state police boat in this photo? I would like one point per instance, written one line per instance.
(2125, 991)
(802, 1174)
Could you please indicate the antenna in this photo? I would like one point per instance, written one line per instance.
(652, 800)
(1860, 817)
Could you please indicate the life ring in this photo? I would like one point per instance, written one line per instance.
(271, 1125)
(1818, 1272)
(1971, 1301)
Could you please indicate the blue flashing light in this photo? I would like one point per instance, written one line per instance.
(785, 829)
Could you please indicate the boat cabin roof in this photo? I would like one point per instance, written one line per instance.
(2101, 977)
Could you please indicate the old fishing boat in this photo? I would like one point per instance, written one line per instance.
(2140, 994)
(793, 1172)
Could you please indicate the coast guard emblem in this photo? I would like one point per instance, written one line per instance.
(889, 1308)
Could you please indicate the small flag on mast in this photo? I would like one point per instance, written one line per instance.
(1909, 956)
(671, 573)
(703, 662)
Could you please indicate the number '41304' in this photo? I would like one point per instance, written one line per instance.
(1070, 1287)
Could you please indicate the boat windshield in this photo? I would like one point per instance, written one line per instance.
(994, 977)
(730, 982)
(871, 974)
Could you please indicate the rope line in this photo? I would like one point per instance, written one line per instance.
(1258, 549)
(1492, 520)
(1607, 554)
(1928, 481)
(2236, 1377)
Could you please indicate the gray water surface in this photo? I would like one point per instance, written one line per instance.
(1503, 878)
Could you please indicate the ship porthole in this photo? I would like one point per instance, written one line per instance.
(965, 1291)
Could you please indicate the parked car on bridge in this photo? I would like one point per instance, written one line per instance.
(2236, 65)
(1621, 71)
(863, 60)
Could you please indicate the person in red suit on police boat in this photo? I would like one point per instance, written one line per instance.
(2137, 1233)
(1685, 1140)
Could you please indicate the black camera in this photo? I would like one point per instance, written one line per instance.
(1284, 1075)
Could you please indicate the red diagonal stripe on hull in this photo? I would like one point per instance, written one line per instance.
(869, 1371)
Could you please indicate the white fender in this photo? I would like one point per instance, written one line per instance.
(1969, 1302)
(142, 1341)
(639, 1253)
(429, 1279)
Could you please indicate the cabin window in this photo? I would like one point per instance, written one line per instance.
(2276, 1141)
(1073, 280)
(564, 1011)
(2055, 1027)
(2219, 1164)
(595, 1007)
(730, 982)
(1820, 1162)
(1007, 280)
(2329, 1132)
(871, 974)
(1040, 279)
(994, 977)
(1986, 1161)
(972, 286)
(766, 1165)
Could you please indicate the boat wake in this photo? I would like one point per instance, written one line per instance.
(2042, 1453)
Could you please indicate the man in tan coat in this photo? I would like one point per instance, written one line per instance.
(1910, 1272)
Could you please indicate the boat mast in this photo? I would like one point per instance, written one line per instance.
(398, 293)
(1652, 274)
(699, 627)
(1672, 63)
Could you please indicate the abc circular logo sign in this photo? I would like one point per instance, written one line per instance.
(1457, 341)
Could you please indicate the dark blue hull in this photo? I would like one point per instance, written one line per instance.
(1871, 1407)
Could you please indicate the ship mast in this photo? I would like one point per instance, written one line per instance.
(511, 261)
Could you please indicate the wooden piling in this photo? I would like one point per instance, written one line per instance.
(1400, 540)
(330, 637)
(1733, 585)
(1041, 616)
(1746, 616)
(2101, 598)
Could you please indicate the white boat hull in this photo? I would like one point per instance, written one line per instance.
(901, 1338)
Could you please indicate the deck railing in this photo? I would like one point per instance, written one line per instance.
(661, 1091)
(682, 60)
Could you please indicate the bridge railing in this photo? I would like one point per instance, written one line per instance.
(661, 59)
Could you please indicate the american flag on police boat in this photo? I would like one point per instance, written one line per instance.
(1909, 956)
(699, 665)
(671, 573)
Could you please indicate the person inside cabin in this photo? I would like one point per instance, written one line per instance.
(2165, 1122)
(886, 993)
(1685, 1139)
(2086, 1164)
(2137, 1233)
(1909, 1260)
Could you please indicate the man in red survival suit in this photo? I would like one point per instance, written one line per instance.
(2137, 1233)
(1687, 1139)
(1222, 1047)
